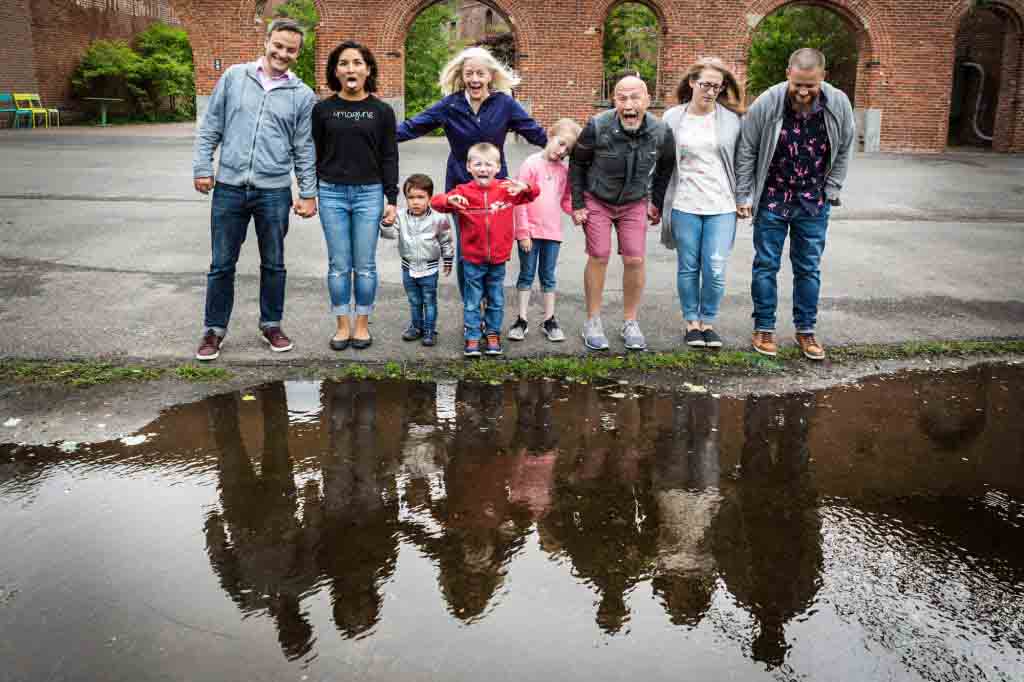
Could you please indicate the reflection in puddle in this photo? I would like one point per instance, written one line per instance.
(454, 530)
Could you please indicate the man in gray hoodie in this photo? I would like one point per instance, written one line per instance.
(259, 116)
(791, 161)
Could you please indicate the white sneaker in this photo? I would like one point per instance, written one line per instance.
(632, 337)
(593, 335)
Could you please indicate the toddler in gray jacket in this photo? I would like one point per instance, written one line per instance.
(425, 245)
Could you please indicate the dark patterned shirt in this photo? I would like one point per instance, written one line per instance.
(796, 176)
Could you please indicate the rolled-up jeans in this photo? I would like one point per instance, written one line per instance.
(350, 216)
(231, 211)
(422, 295)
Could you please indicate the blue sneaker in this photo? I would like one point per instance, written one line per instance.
(593, 335)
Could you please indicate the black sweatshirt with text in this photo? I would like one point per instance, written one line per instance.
(355, 143)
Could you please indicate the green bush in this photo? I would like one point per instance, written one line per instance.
(426, 51)
(631, 45)
(790, 28)
(159, 67)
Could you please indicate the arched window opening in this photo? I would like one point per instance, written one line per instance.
(630, 46)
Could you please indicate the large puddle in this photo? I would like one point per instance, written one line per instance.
(375, 531)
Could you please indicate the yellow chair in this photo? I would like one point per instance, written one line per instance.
(51, 114)
(30, 101)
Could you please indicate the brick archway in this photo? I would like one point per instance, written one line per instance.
(1008, 129)
(604, 9)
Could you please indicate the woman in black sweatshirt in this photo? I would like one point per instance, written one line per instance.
(357, 168)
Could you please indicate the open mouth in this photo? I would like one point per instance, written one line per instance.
(352, 82)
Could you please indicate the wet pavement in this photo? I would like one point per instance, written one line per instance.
(386, 531)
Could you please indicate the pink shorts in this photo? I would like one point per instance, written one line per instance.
(630, 226)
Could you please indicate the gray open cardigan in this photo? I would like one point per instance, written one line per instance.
(727, 126)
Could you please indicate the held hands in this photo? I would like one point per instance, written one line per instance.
(579, 216)
(514, 187)
(526, 244)
(390, 215)
(203, 185)
(744, 211)
(304, 208)
(653, 214)
(447, 269)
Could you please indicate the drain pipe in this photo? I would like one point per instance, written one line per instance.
(977, 105)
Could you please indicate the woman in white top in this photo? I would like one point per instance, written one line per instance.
(701, 225)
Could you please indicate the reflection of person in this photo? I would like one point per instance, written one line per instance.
(794, 150)
(534, 444)
(619, 171)
(259, 116)
(257, 548)
(767, 534)
(481, 529)
(357, 164)
(701, 198)
(360, 509)
(685, 480)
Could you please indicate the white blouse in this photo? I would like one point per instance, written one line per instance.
(702, 187)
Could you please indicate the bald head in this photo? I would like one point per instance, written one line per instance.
(631, 100)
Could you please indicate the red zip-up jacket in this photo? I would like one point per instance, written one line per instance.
(486, 224)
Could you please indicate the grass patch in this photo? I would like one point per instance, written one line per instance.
(200, 373)
(75, 373)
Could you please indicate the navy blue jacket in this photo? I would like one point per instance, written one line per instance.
(498, 114)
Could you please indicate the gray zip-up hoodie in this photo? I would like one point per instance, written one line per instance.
(422, 240)
(262, 134)
(759, 136)
(727, 132)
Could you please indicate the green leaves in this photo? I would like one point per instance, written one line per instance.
(427, 49)
(631, 44)
(304, 12)
(159, 67)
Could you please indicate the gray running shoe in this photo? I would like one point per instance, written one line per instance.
(632, 336)
(593, 335)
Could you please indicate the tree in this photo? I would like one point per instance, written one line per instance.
(166, 69)
(304, 12)
(631, 44)
(427, 49)
(790, 28)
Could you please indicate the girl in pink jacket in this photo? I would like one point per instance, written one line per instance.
(539, 226)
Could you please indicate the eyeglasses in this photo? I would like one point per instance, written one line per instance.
(710, 87)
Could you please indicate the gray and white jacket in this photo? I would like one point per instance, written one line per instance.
(262, 134)
(727, 130)
(759, 136)
(423, 241)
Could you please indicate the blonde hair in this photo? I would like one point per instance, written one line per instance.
(730, 97)
(484, 150)
(503, 79)
(567, 129)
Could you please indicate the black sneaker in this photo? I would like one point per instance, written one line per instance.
(695, 338)
(412, 333)
(429, 338)
(712, 339)
(552, 330)
(517, 332)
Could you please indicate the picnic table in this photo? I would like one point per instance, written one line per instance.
(104, 103)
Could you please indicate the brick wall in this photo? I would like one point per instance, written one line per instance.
(907, 51)
(16, 49)
(48, 37)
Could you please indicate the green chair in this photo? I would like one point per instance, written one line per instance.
(9, 111)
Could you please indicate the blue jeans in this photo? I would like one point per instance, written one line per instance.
(545, 254)
(232, 209)
(807, 243)
(422, 293)
(350, 215)
(480, 281)
(703, 245)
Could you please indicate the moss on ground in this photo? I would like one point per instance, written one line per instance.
(576, 368)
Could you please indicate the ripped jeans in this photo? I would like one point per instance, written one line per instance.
(350, 215)
(703, 245)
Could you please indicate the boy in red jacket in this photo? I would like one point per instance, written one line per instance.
(486, 228)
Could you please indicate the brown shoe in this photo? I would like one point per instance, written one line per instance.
(209, 347)
(275, 338)
(811, 348)
(764, 343)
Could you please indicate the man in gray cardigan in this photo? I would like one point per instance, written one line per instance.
(259, 116)
(794, 150)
